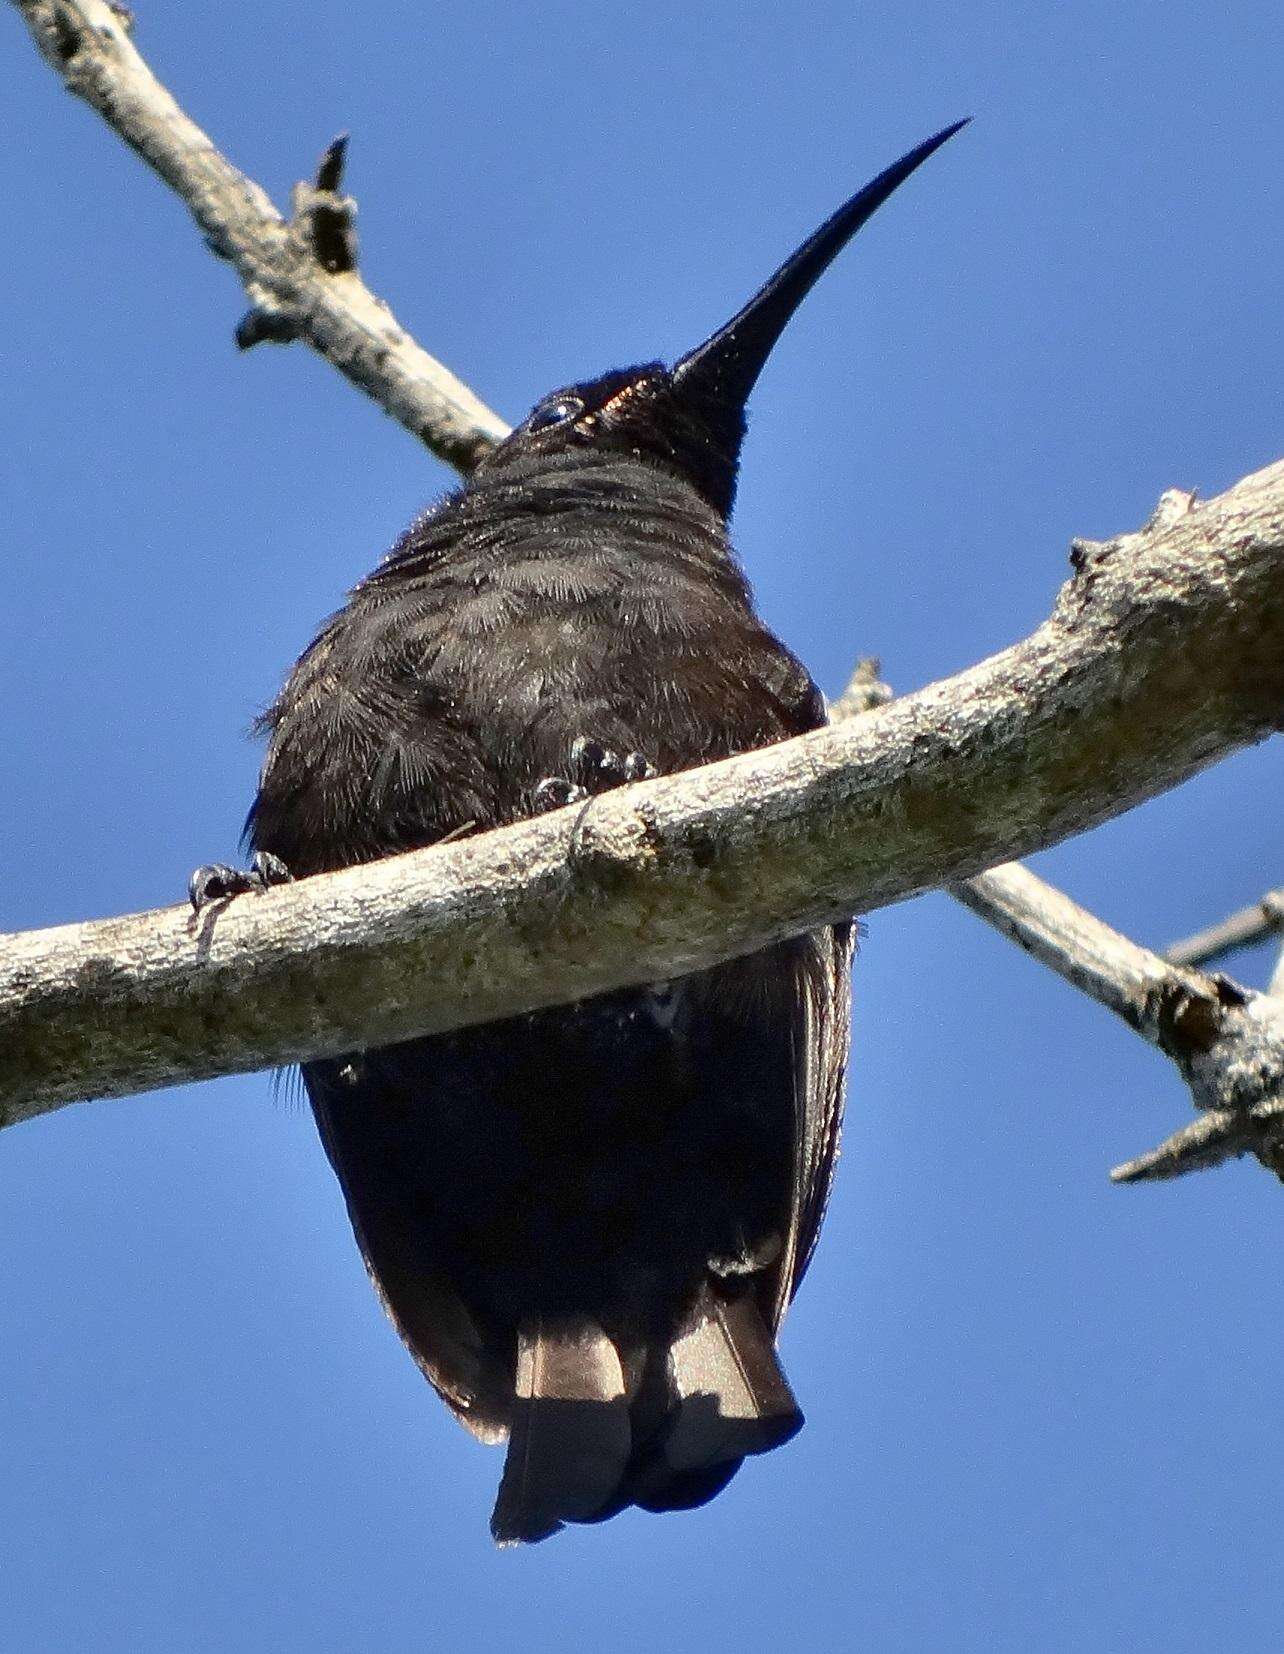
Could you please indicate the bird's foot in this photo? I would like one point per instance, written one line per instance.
(602, 768)
(594, 768)
(554, 791)
(216, 882)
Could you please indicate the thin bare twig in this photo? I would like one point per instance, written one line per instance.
(1238, 930)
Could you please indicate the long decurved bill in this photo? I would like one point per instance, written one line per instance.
(726, 366)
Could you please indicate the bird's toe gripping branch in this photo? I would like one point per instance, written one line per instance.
(594, 768)
(601, 768)
(216, 881)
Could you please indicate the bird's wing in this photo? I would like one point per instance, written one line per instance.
(821, 1034)
(352, 1103)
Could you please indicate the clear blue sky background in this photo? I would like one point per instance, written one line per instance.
(1042, 1412)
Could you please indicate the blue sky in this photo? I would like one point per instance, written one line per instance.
(1041, 1411)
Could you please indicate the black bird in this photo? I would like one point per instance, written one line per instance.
(586, 1223)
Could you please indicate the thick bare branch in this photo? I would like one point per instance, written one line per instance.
(297, 289)
(1164, 651)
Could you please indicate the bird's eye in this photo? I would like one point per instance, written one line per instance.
(557, 412)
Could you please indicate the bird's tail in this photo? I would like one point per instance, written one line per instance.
(570, 1438)
(586, 1441)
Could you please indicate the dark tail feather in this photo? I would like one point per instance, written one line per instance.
(570, 1437)
(719, 1396)
(730, 1399)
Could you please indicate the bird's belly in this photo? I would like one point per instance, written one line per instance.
(588, 1160)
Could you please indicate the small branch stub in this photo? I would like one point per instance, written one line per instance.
(324, 229)
(865, 691)
(326, 218)
(261, 326)
(1210, 1141)
(1228, 1042)
(331, 165)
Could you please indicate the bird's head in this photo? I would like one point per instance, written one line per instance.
(690, 418)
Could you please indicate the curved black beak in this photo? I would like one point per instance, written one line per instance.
(726, 367)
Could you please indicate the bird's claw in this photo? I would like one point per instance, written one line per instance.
(594, 769)
(216, 882)
(601, 767)
(554, 791)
